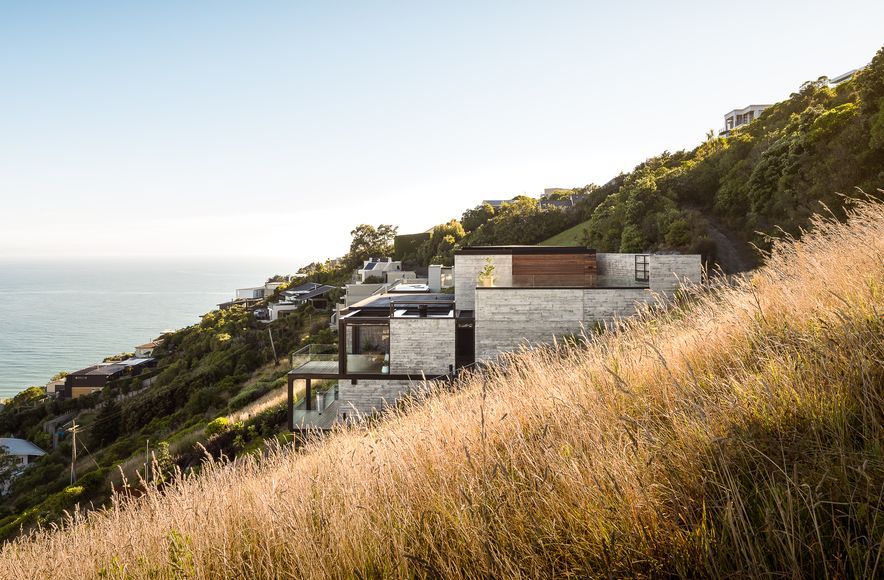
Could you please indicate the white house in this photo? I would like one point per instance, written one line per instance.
(383, 269)
(740, 117)
(24, 450)
(257, 292)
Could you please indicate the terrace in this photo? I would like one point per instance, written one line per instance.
(318, 409)
(364, 351)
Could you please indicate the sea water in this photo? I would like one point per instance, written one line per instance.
(65, 315)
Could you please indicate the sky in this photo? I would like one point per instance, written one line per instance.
(271, 129)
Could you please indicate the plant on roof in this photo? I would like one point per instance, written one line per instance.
(486, 275)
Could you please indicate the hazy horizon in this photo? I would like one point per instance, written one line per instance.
(214, 129)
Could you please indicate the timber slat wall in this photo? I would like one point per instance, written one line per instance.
(576, 270)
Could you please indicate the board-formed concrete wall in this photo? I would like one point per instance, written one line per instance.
(508, 318)
(606, 304)
(617, 270)
(369, 396)
(421, 345)
(669, 271)
(466, 276)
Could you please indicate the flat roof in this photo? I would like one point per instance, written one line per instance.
(109, 369)
(385, 300)
(520, 250)
(134, 362)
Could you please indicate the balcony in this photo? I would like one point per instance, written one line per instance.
(324, 359)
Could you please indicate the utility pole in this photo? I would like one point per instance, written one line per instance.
(147, 461)
(74, 429)
(273, 346)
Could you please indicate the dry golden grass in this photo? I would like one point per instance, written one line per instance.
(738, 433)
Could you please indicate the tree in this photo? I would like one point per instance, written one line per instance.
(631, 241)
(9, 468)
(473, 218)
(369, 241)
(106, 427)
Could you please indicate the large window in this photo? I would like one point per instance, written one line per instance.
(368, 348)
(642, 268)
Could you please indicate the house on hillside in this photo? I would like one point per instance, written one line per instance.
(390, 341)
(251, 296)
(380, 270)
(740, 117)
(23, 450)
(257, 292)
(146, 350)
(22, 453)
(94, 378)
(496, 203)
(293, 298)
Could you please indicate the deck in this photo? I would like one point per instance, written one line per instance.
(316, 420)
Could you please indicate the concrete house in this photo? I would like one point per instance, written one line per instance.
(389, 342)
(740, 117)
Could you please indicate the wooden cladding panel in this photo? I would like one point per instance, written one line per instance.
(554, 264)
(554, 270)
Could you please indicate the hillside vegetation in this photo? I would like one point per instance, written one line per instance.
(736, 432)
(771, 174)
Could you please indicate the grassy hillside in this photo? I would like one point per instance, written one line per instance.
(738, 432)
(570, 237)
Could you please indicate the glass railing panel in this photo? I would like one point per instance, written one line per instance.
(374, 363)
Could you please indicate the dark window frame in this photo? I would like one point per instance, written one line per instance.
(642, 268)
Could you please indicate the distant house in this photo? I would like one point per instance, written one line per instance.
(251, 296)
(545, 199)
(293, 298)
(24, 450)
(24, 453)
(843, 77)
(146, 350)
(257, 292)
(96, 377)
(54, 388)
(496, 203)
(740, 117)
(383, 269)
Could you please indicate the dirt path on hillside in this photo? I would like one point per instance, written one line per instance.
(732, 255)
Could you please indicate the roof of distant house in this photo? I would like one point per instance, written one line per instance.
(15, 446)
(317, 290)
(151, 344)
(496, 202)
(305, 287)
(134, 362)
(108, 369)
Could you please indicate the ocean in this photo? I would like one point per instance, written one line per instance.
(65, 315)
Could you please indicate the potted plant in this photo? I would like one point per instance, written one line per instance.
(486, 276)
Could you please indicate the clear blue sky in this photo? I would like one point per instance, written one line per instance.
(271, 128)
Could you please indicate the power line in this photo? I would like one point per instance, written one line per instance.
(74, 430)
